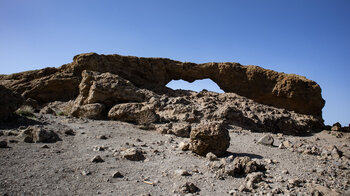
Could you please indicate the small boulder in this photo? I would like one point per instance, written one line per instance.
(188, 187)
(336, 127)
(3, 144)
(133, 154)
(181, 172)
(211, 156)
(38, 134)
(69, 132)
(210, 137)
(266, 140)
(117, 174)
(184, 146)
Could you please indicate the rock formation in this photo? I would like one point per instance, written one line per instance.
(133, 89)
(281, 90)
(9, 103)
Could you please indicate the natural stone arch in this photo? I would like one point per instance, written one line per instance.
(268, 87)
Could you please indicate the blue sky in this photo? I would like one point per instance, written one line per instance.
(310, 38)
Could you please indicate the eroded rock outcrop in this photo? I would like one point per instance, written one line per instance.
(9, 103)
(106, 95)
(281, 90)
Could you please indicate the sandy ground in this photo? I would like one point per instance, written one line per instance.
(65, 167)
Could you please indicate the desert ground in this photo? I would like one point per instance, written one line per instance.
(65, 167)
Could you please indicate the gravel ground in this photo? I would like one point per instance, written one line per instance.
(66, 168)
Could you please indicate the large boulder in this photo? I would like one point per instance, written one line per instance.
(210, 137)
(103, 89)
(9, 103)
(133, 112)
(281, 90)
(92, 111)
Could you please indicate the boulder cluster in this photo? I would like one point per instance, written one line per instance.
(132, 89)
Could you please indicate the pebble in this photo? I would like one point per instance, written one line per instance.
(45, 146)
(69, 132)
(85, 173)
(102, 137)
(181, 172)
(97, 159)
(117, 174)
(184, 146)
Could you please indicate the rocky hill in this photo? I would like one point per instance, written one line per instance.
(52, 105)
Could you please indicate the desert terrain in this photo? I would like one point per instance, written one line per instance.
(107, 125)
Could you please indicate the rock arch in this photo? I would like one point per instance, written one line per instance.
(281, 90)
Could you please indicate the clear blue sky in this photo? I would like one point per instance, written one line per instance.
(310, 38)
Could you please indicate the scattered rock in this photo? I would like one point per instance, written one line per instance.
(97, 159)
(281, 146)
(266, 140)
(295, 182)
(102, 137)
(184, 146)
(188, 187)
(117, 174)
(69, 132)
(47, 110)
(316, 189)
(211, 157)
(38, 134)
(242, 166)
(45, 146)
(210, 137)
(3, 144)
(250, 181)
(133, 154)
(85, 173)
(181, 172)
(99, 148)
(336, 127)
(287, 144)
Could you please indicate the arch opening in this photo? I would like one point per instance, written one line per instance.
(197, 85)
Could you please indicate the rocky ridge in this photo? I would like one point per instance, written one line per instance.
(268, 87)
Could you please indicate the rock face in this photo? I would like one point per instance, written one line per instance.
(281, 90)
(210, 137)
(9, 103)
